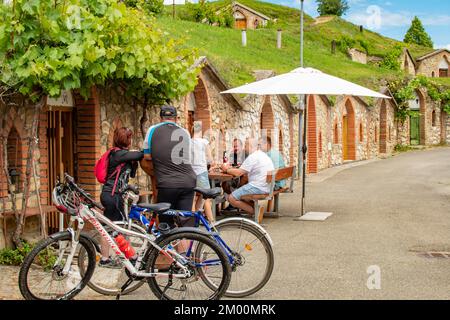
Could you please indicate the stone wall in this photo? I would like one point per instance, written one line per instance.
(407, 64)
(357, 56)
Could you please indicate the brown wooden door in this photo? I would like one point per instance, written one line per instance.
(241, 24)
(60, 146)
(345, 138)
(443, 73)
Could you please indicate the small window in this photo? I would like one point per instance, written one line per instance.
(336, 134)
(433, 118)
(280, 141)
(433, 74)
(320, 142)
(14, 151)
(361, 132)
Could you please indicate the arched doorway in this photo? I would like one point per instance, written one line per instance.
(383, 127)
(348, 133)
(200, 111)
(240, 21)
(267, 121)
(312, 135)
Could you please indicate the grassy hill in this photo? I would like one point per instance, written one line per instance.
(236, 63)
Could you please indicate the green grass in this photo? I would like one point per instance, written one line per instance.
(223, 46)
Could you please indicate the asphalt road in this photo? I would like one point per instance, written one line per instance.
(386, 213)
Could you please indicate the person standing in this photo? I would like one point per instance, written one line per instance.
(167, 152)
(121, 160)
(201, 156)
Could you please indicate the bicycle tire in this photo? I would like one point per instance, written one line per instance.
(163, 241)
(112, 292)
(269, 265)
(53, 239)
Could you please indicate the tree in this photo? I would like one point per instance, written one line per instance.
(151, 6)
(48, 45)
(417, 34)
(332, 7)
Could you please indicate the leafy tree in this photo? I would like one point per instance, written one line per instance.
(48, 45)
(332, 7)
(392, 59)
(417, 34)
(151, 6)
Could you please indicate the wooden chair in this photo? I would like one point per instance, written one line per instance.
(272, 178)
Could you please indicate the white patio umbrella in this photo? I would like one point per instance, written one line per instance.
(305, 81)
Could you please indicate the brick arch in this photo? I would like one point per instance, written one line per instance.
(202, 106)
(117, 123)
(312, 135)
(348, 138)
(383, 127)
(422, 104)
(267, 119)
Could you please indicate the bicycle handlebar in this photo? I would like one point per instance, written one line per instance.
(85, 195)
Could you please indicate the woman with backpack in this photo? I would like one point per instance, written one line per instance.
(118, 160)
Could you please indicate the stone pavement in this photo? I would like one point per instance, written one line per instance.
(388, 216)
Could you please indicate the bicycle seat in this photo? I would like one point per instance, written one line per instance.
(155, 207)
(209, 193)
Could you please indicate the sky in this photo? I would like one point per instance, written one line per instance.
(391, 18)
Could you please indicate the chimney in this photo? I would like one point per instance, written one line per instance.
(333, 46)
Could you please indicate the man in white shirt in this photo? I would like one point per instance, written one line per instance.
(257, 165)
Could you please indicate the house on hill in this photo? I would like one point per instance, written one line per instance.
(435, 64)
(247, 18)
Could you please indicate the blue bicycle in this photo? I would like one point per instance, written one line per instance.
(247, 245)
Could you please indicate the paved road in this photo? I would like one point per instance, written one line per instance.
(385, 213)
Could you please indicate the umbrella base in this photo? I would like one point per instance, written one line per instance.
(314, 216)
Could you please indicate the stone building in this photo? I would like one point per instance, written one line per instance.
(74, 132)
(350, 130)
(247, 18)
(435, 64)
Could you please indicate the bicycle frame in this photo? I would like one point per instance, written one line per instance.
(95, 218)
(137, 213)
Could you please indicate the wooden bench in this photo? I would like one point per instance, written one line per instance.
(272, 178)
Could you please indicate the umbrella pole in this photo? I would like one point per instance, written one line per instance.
(304, 151)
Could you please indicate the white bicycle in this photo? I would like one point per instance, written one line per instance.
(175, 265)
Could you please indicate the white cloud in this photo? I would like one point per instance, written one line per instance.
(376, 18)
(443, 47)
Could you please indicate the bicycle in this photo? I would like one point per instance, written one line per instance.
(231, 229)
(57, 257)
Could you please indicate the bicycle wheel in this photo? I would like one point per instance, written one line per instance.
(213, 262)
(41, 276)
(253, 258)
(109, 281)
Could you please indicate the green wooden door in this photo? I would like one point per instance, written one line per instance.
(415, 130)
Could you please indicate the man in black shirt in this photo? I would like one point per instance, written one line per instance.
(167, 146)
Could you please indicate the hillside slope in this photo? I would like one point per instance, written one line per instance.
(236, 63)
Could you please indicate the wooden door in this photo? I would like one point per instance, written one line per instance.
(60, 145)
(443, 73)
(415, 130)
(241, 24)
(190, 122)
(345, 137)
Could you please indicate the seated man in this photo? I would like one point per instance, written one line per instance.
(256, 166)
(277, 160)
